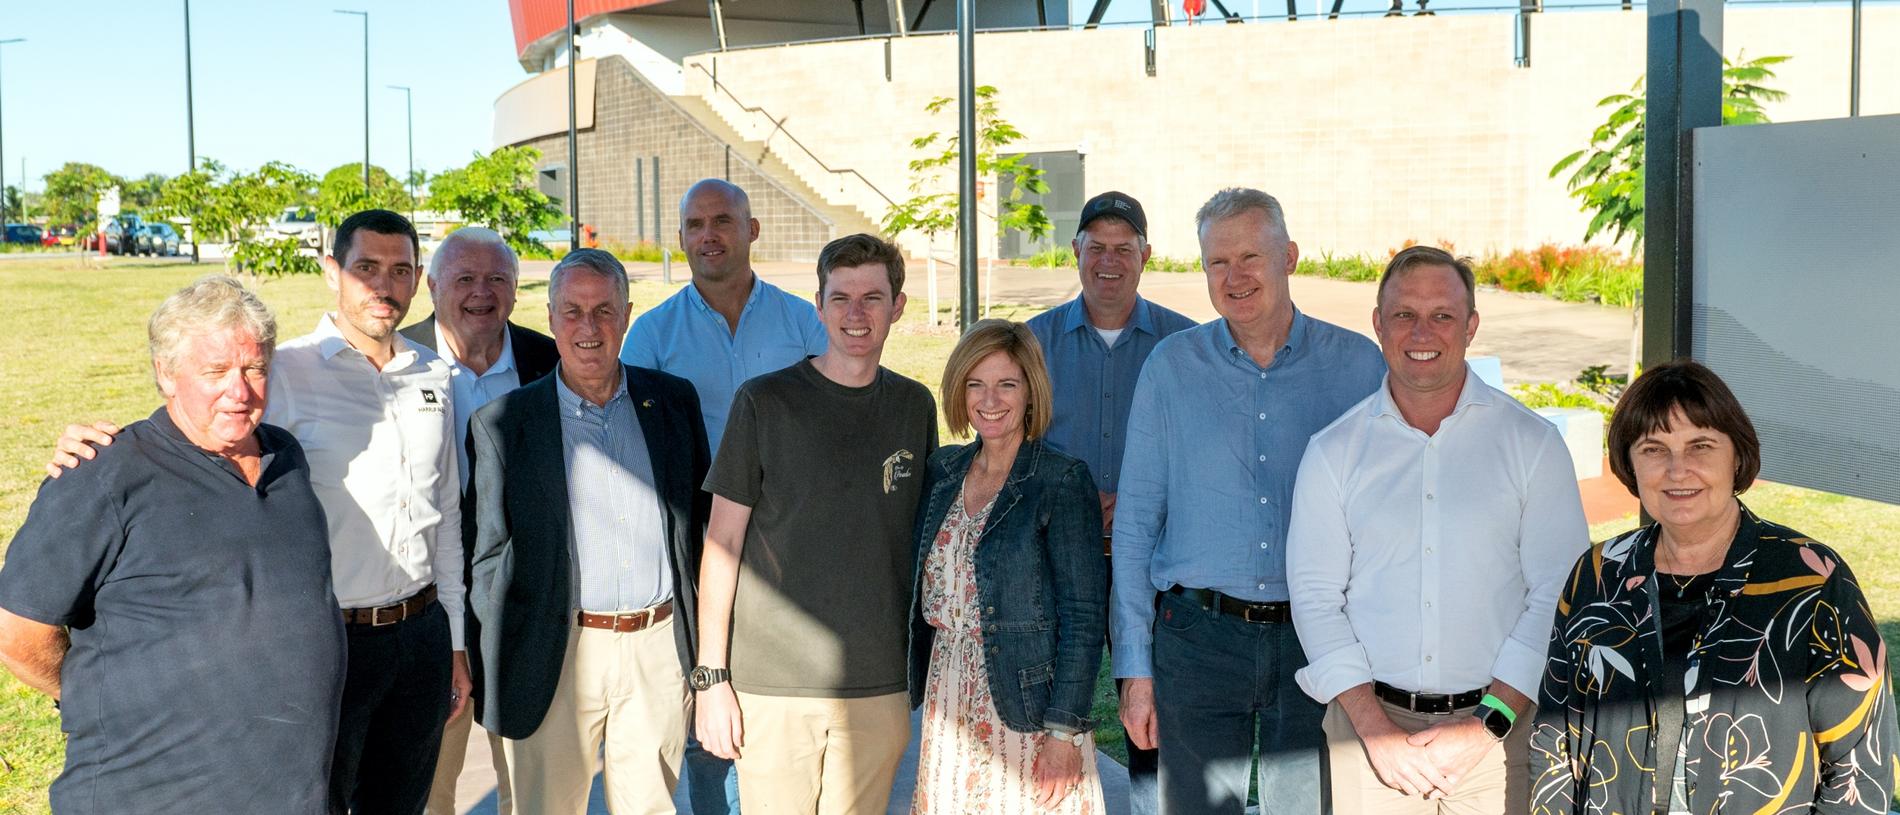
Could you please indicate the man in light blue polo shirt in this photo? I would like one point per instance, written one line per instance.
(1201, 620)
(728, 326)
(1095, 346)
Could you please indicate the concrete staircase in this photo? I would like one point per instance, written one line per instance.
(845, 220)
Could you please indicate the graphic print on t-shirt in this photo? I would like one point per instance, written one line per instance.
(895, 468)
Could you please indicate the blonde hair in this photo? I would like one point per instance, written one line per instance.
(1015, 340)
(212, 303)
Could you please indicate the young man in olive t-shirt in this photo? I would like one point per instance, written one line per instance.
(805, 580)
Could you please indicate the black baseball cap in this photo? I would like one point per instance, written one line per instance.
(1117, 204)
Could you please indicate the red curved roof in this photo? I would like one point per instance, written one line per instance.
(535, 19)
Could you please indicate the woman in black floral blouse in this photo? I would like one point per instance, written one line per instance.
(1730, 654)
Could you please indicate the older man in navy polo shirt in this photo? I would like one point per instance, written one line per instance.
(175, 595)
(1096, 345)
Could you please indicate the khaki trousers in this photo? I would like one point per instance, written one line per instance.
(808, 756)
(1498, 785)
(621, 691)
(448, 767)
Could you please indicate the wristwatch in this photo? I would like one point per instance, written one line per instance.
(1496, 721)
(703, 677)
(1075, 738)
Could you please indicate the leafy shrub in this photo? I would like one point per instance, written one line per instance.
(642, 252)
(1549, 395)
(1160, 263)
(1357, 268)
(1055, 257)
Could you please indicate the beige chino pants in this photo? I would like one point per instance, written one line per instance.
(1498, 785)
(810, 756)
(448, 767)
(621, 691)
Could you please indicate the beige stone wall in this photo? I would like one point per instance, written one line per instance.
(1371, 131)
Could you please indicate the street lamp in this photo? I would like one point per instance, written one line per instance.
(409, 116)
(191, 133)
(365, 16)
(3, 157)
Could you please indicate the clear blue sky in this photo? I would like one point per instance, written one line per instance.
(103, 81)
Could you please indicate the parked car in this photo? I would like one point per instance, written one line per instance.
(300, 223)
(61, 235)
(157, 239)
(122, 234)
(23, 233)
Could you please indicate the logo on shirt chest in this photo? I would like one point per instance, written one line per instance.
(432, 402)
(896, 469)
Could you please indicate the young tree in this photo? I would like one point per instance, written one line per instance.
(1609, 173)
(232, 208)
(72, 193)
(340, 194)
(139, 194)
(498, 191)
(933, 212)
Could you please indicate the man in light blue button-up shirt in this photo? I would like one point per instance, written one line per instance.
(1095, 346)
(727, 326)
(724, 328)
(1201, 623)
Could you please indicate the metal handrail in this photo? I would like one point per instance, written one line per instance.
(778, 127)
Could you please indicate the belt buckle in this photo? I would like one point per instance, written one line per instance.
(376, 615)
(634, 621)
(1247, 613)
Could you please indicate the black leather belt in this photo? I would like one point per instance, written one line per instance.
(1436, 703)
(1250, 612)
(393, 613)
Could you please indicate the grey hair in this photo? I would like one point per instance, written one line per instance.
(598, 261)
(468, 237)
(213, 303)
(732, 191)
(1235, 201)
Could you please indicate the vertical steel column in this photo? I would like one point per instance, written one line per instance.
(1853, 70)
(659, 232)
(966, 163)
(191, 135)
(573, 151)
(640, 200)
(1684, 93)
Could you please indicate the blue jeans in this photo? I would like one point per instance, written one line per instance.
(712, 785)
(1222, 687)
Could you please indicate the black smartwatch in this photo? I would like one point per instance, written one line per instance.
(703, 677)
(1496, 722)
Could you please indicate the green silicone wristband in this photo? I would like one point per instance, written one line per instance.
(1498, 705)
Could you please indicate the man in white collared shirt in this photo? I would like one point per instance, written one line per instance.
(1432, 526)
(374, 412)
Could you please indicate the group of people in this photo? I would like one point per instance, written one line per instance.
(720, 545)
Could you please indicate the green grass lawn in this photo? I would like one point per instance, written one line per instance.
(76, 351)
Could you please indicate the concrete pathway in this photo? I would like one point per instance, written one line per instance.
(1538, 339)
(475, 789)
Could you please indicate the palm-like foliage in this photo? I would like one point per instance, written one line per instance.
(1608, 175)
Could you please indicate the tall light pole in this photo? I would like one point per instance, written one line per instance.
(409, 116)
(573, 153)
(3, 156)
(365, 16)
(966, 164)
(191, 132)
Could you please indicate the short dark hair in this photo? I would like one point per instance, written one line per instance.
(858, 250)
(1413, 256)
(1706, 402)
(379, 221)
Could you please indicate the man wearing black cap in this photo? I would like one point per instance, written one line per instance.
(1095, 346)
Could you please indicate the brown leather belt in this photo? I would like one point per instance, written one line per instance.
(628, 622)
(394, 612)
(1280, 612)
(1437, 703)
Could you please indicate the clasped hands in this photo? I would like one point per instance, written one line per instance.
(1431, 762)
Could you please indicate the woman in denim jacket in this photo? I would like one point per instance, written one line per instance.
(1010, 607)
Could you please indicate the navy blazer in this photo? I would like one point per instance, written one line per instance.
(1042, 585)
(520, 598)
(535, 353)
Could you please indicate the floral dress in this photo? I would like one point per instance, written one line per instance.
(1786, 708)
(969, 761)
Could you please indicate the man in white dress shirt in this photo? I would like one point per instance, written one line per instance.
(1433, 524)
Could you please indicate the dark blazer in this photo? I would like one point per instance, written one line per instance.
(1041, 581)
(520, 598)
(535, 353)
